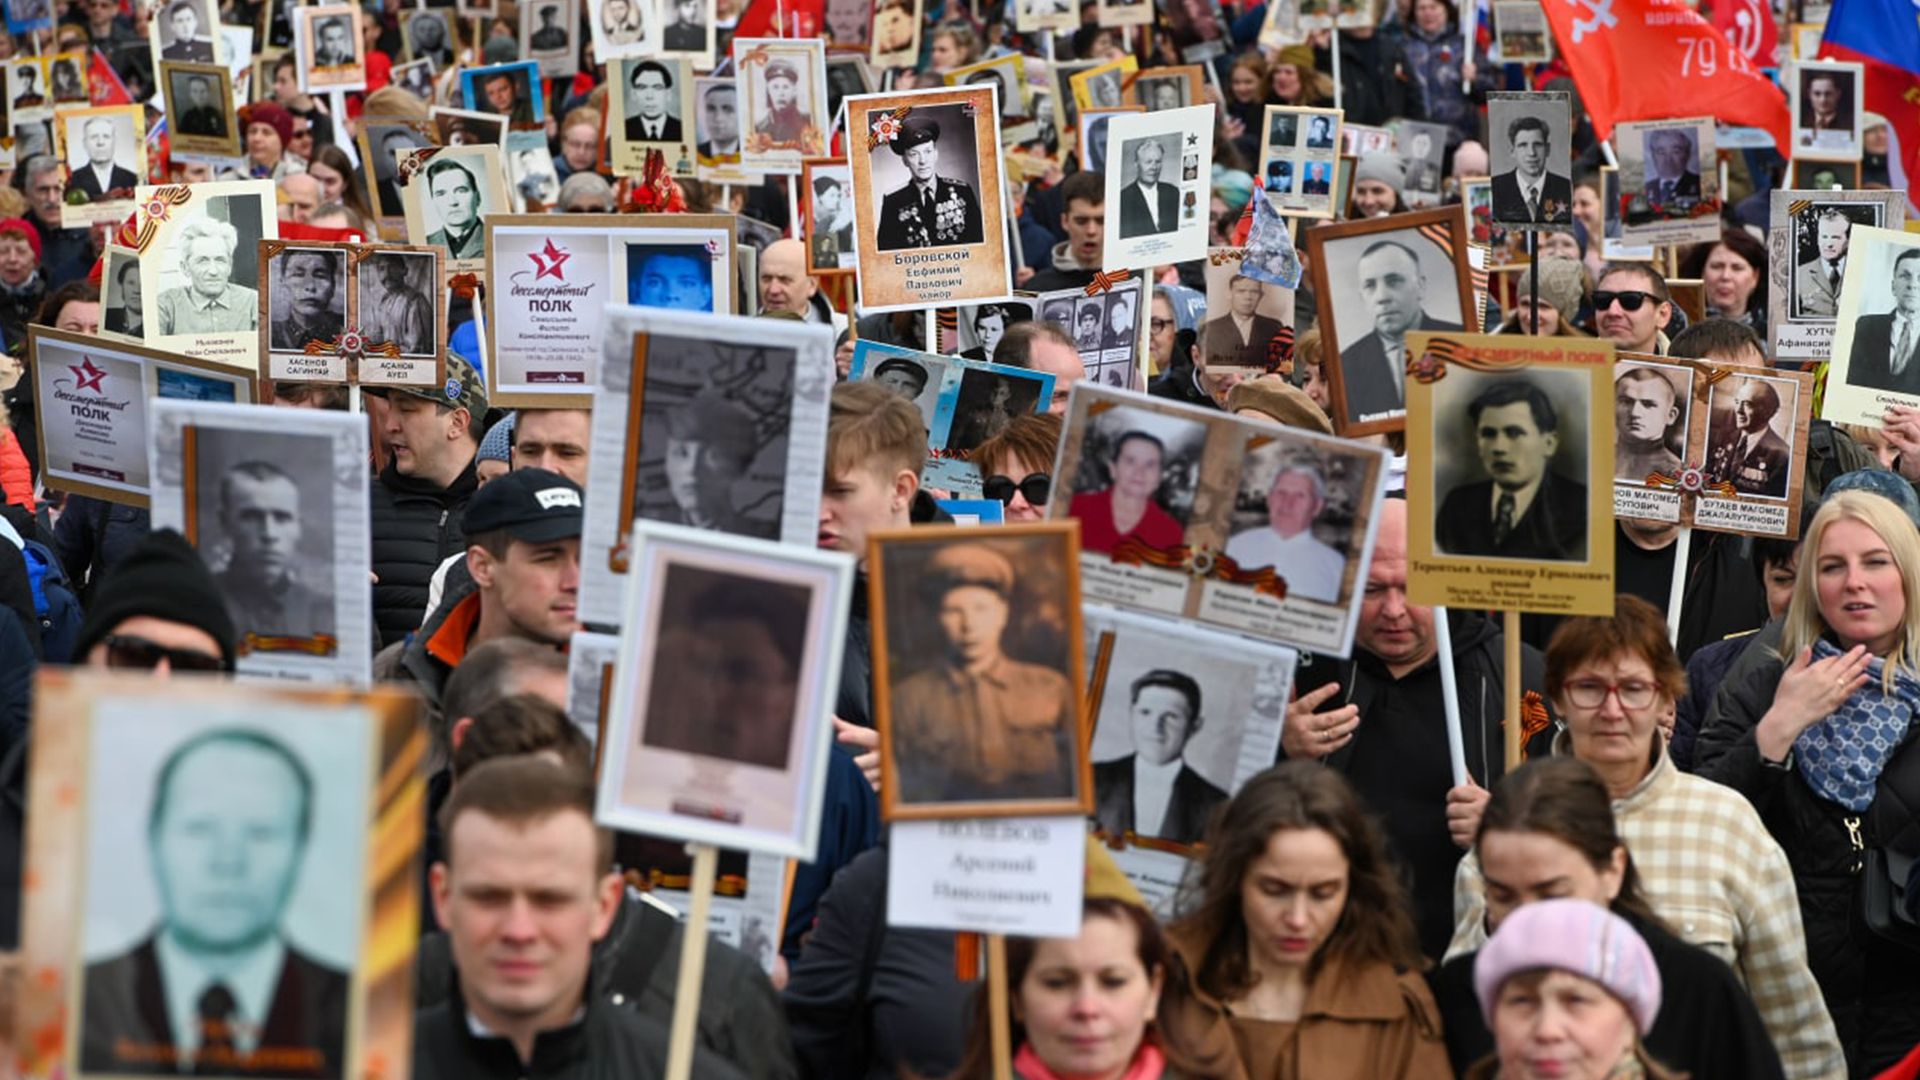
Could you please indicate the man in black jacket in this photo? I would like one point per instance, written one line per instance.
(420, 497)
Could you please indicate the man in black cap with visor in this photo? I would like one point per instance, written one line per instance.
(930, 210)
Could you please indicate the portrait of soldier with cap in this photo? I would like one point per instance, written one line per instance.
(973, 723)
(905, 377)
(710, 443)
(783, 119)
(930, 210)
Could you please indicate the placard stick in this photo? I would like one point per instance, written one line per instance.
(1335, 32)
(693, 963)
(793, 206)
(1510, 626)
(1000, 1032)
(1678, 586)
(1450, 697)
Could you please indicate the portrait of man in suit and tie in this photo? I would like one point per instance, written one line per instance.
(1744, 448)
(651, 101)
(1154, 791)
(1816, 282)
(1886, 347)
(1241, 337)
(96, 169)
(1148, 204)
(216, 985)
(1670, 168)
(1530, 192)
(1523, 509)
(1825, 119)
(1394, 293)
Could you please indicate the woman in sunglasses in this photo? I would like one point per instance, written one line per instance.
(1013, 465)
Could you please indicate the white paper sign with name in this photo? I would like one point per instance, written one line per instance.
(991, 875)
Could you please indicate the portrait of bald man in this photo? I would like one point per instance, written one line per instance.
(1394, 291)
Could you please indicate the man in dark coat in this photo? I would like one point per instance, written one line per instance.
(1530, 192)
(201, 116)
(1148, 205)
(929, 210)
(1750, 455)
(1669, 168)
(1153, 791)
(1373, 369)
(1240, 338)
(650, 81)
(1886, 348)
(1526, 510)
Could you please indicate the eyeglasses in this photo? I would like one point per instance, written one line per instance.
(1592, 693)
(1035, 488)
(129, 651)
(1159, 324)
(1630, 299)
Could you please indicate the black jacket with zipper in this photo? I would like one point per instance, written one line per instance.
(1398, 759)
(415, 525)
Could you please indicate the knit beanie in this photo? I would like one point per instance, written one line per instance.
(1300, 56)
(24, 229)
(498, 445)
(275, 117)
(1876, 481)
(1563, 283)
(1233, 186)
(1578, 937)
(163, 577)
(1384, 166)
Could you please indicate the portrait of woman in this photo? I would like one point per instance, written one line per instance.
(1126, 508)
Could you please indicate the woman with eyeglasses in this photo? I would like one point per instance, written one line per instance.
(1014, 465)
(1710, 870)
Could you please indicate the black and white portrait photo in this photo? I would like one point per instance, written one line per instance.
(196, 102)
(455, 190)
(1750, 434)
(1246, 315)
(981, 327)
(464, 127)
(185, 31)
(306, 297)
(103, 153)
(333, 41)
(384, 143)
(1813, 174)
(1672, 169)
(1652, 405)
(1093, 137)
(925, 181)
(397, 300)
(1510, 457)
(847, 74)
(532, 180)
(656, 101)
(1158, 93)
(428, 37)
(198, 960)
(1159, 169)
(263, 520)
(1881, 340)
(1826, 110)
(919, 378)
(1530, 155)
(712, 450)
(416, 78)
(829, 195)
(24, 87)
(1006, 73)
(717, 121)
(1669, 181)
(1819, 238)
(546, 35)
(1296, 511)
(197, 291)
(64, 77)
(120, 294)
(1148, 203)
(689, 27)
(621, 27)
(986, 402)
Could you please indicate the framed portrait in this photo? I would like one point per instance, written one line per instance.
(623, 29)
(1521, 34)
(260, 82)
(91, 404)
(353, 313)
(67, 78)
(1285, 518)
(1825, 98)
(1159, 176)
(276, 505)
(186, 31)
(1106, 326)
(1167, 698)
(1102, 86)
(555, 274)
(1820, 174)
(826, 190)
(1653, 403)
(1873, 365)
(1362, 139)
(546, 36)
(1613, 246)
(467, 127)
(656, 112)
(428, 34)
(509, 90)
(533, 181)
(196, 243)
(199, 98)
(783, 102)
(1807, 248)
(330, 47)
(977, 329)
(894, 40)
(1091, 140)
(687, 32)
(1248, 330)
(1061, 73)
(1422, 148)
(384, 140)
(949, 745)
(847, 74)
(416, 77)
(1037, 16)
(27, 93)
(717, 126)
(106, 158)
(1532, 185)
(1122, 13)
(720, 731)
(447, 191)
(1669, 181)
(307, 304)
(1009, 74)
(1377, 281)
(1751, 438)
(123, 791)
(965, 402)
(1505, 250)
(1299, 152)
(928, 220)
(120, 312)
(1507, 469)
(707, 421)
(1162, 88)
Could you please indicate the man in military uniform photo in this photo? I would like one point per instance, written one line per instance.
(260, 515)
(201, 116)
(1749, 454)
(929, 210)
(1645, 412)
(785, 122)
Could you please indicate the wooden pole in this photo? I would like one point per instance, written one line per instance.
(1511, 628)
(1001, 1030)
(693, 963)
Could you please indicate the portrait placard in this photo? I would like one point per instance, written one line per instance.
(533, 181)
(1807, 258)
(1751, 437)
(384, 141)
(330, 47)
(447, 192)
(1035, 16)
(847, 75)
(27, 94)
(1653, 407)
(467, 127)
(1165, 696)
(1159, 178)
(1669, 181)
(720, 726)
(1817, 174)
(1508, 478)
(1521, 34)
(124, 787)
(974, 331)
(965, 402)
(783, 102)
(1091, 140)
(929, 219)
(510, 90)
(186, 31)
(1612, 246)
(1106, 328)
(276, 503)
(1876, 341)
(1423, 149)
(106, 159)
(1378, 280)
(1009, 75)
(979, 710)
(657, 106)
(826, 190)
(1250, 328)
(709, 421)
(1161, 88)
(1103, 86)
(1230, 523)
(1299, 148)
(196, 242)
(717, 127)
(894, 39)
(1505, 250)
(426, 35)
(1197, 30)
(688, 31)
(120, 312)
(1531, 136)
(624, 29)
(546, 36)
(553, 276)
(199, 100)
(1825, 98)
(352, 313)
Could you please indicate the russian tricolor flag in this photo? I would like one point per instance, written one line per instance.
(1884, 35)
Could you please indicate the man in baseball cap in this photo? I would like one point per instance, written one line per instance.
(523, 550)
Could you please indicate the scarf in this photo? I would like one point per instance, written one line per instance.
(1842, 755)
(1148, 1064)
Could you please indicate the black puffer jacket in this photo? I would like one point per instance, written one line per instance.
(1872, 986)
(416, 524)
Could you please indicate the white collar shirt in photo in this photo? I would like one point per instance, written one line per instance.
(102, 176)
(251, 980)
(1530, 190)
(1152, 793)
(1311, 569)
(1150, 194)
(651, 128)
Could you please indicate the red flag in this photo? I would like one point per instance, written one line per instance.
(1749, 25)
(103, 83)
(1654, 59)
(782, 18)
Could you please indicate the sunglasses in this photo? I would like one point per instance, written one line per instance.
(1035, 488)
(1630, 300)
(129, 651)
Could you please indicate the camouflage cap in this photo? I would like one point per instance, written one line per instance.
(463, 389)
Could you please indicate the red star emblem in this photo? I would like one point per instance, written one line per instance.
(86, 376)
(550, 264)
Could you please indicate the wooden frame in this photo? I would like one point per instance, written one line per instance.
(234, 145)
(1083, 144)
(1195, 75)
(1296, 203)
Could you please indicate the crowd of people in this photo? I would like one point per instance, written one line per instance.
(1708, 865)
